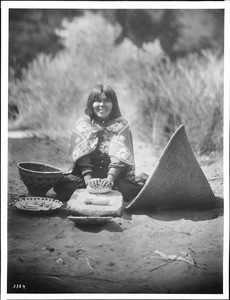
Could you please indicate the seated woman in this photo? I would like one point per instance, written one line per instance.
(101, 150)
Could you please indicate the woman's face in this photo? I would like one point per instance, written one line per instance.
(102, 107)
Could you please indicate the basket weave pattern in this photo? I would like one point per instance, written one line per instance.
(177, 180)
(38, 177)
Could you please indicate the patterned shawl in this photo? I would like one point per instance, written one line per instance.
(118, 142)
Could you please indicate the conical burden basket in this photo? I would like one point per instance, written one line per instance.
(177, 181)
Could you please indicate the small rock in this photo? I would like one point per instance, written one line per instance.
(51, 249)
(59, 261)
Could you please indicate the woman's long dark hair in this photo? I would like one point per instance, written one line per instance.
(110, 94)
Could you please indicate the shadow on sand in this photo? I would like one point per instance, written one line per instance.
(175, 214)
(110, 226)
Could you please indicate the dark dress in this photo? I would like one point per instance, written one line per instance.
(99, 164)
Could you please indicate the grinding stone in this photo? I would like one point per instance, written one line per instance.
(77, 206)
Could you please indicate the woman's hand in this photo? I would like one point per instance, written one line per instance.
(94, 182)
(107, 182)
(104, 182)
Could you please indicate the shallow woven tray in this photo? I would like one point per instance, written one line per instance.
(37, 204)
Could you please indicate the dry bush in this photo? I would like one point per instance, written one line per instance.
(196, 91)
(155, 94)
(188, 91)
(52, 92)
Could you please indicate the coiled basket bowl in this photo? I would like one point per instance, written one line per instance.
(39, 178)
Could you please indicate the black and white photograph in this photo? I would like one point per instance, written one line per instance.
(115, 150)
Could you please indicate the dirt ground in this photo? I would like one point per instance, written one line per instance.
(50, 254)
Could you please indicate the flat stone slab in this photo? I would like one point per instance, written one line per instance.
(82, 203)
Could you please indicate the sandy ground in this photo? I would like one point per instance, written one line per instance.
(50, 254)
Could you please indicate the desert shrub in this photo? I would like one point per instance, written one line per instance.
(196, 91)
(32, 31)
(188, 91)
(52, 92)
(45, 95)
(155, 94)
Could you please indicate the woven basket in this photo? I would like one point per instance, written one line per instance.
(177, 181)
(38, 177)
